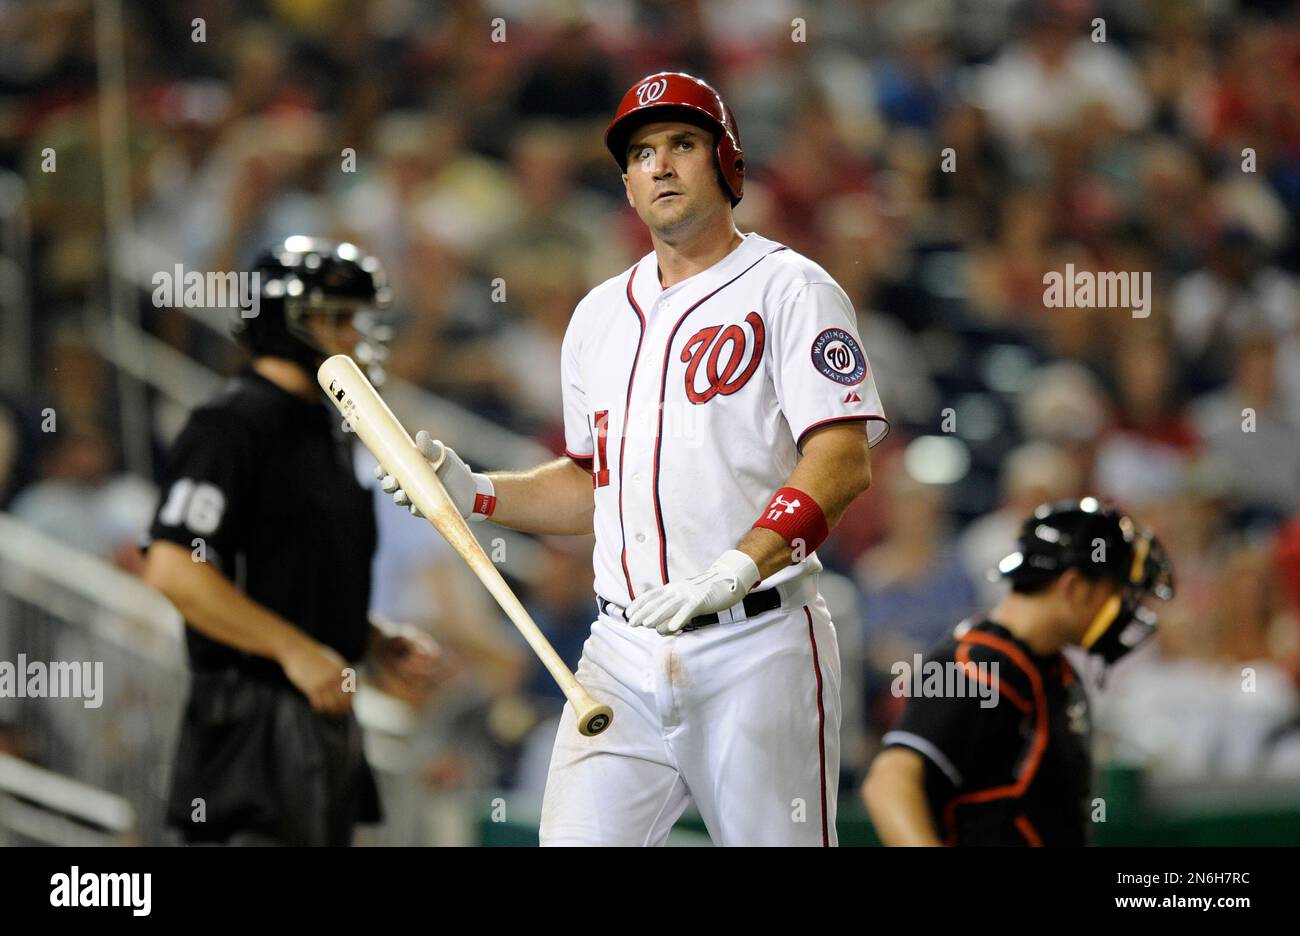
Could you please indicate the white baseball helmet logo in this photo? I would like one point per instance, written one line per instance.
(651, 91)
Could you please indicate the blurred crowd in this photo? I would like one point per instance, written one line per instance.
(937, 157)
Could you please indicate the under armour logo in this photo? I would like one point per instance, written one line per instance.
(781, 506)
(852, 397)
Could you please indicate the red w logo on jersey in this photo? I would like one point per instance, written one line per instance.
(705, 347)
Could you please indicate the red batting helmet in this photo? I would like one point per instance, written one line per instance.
(693, 101)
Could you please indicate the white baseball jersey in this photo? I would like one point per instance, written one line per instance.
(689, 403)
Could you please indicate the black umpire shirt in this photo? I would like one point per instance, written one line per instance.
(1015, 773)
(261, 480)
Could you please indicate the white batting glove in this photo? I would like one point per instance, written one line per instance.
(670, 607)
(462, 484)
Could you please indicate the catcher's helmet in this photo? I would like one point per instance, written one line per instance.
(312, 276)
(1102, 543)
(675, 95)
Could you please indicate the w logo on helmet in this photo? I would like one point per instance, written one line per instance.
(676, 89)
(705, 347)
(651, 91)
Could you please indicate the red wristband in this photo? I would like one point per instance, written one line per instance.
(796, 517)
(484, 504)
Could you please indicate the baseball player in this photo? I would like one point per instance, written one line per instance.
(1017, 772)
(263, 540)
(718, 414)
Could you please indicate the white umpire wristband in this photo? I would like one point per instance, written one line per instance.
(740, 568)
(485, 497)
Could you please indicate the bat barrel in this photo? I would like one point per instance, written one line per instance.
(374, 423)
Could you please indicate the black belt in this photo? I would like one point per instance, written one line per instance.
(755, 603)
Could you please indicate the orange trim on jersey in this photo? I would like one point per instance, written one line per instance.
(1028, 831)
(1017, 789)
(973, 671)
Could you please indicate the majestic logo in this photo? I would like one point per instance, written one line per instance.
(651, 91)
(705, 347)
(837, 356)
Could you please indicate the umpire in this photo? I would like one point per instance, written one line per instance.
(957, 770)
(263, 540)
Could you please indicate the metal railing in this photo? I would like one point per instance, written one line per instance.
(113, 726)
(40, 807)
(95, 765)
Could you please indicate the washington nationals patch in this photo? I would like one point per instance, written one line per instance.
(837, 356)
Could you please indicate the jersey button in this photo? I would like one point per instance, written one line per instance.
(640, 537)
(636, 477)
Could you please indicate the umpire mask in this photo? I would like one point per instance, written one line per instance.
(302, 277)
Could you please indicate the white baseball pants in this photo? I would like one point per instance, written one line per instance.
(740, 718)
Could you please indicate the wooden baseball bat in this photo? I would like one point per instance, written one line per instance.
(374, 423)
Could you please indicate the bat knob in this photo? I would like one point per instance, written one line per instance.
(595, 720)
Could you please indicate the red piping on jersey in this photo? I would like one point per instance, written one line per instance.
(1017, 789)
(663, 386)
(821, 727)
(584, 461)
(839, 419)
(627, 407)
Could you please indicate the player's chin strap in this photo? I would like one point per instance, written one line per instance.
(1105, 617)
